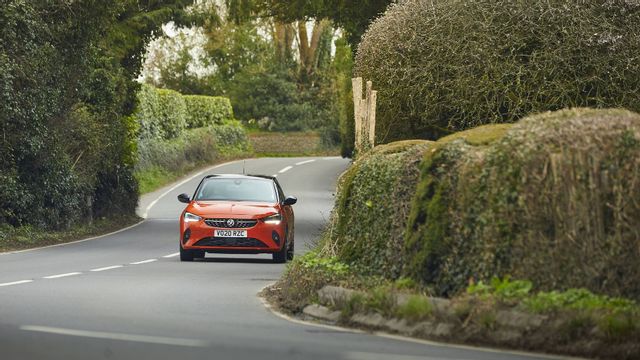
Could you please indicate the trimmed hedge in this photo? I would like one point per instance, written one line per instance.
(172, 114)
(373, 203)
(449, 65)
(165, 114)
(207, 110)
(553, 199)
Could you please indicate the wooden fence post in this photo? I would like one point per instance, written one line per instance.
(364, 111)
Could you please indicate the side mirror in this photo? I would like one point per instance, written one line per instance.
(290, 200)
(184, 198)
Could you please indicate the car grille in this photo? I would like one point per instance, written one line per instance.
(231, 242)
(237, 223)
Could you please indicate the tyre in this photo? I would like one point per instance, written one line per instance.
(280, 256)
(186, 255)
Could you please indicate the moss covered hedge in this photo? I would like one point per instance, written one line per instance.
(554, 198)
(449, 65)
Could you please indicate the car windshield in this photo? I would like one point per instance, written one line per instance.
(230, 189)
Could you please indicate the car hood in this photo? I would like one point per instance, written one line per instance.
(224, 209)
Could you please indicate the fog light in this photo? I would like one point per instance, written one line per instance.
(186, 236)
(275, 237)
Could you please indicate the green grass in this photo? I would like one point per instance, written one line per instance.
(416, 308)
(154, 178)
(27, 237)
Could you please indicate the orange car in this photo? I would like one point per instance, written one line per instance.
(237, 214)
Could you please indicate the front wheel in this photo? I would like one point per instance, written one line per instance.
(186, 255)
(280, 256)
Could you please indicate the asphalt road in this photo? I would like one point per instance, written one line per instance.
(127, 296)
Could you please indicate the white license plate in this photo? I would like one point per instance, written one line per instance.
(230, 233)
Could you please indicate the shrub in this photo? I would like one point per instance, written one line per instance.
(160, 161)
(148, 113)
(372, 205)
(449, 65)
(207, 110)
(553, 199)
(172, 114)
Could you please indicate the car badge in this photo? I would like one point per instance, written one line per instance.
(230, 222)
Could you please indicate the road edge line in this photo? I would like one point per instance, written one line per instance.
(399, 337)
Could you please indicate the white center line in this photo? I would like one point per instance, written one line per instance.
(106, 268)
(171, 255)
(285, 169)
(305, 162)
(274, 175)
(143, 262)
(16, 283)
(62, 275)
(117, 336)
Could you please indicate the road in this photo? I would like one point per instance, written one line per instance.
(127, 296)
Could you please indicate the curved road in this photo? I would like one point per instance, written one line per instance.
(127, 296)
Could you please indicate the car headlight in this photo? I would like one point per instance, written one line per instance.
(189, 217)
(273, 219)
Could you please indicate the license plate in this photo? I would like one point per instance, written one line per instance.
(230, 233)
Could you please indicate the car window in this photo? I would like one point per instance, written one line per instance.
(237, 190)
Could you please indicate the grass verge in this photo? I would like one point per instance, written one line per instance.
(28, 237)
(504, 313)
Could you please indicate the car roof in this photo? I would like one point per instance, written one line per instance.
(239, 176)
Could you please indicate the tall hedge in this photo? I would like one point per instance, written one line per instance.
(448, 65)
(165, 114)
(554, 199)
(207, 110)
(172, 113)
(372, 207)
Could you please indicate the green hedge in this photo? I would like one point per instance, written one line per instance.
(165, 114)
(160, 161)
(553, 199)
(449, 65)
(172, 114)
(374, 198)
(207, 110)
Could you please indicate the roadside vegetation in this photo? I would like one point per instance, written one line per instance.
(511, 222)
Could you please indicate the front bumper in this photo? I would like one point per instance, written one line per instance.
(261, 238)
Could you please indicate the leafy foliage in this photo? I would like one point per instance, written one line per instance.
(68, 145)
(444, 66)
(161, 161)
(207, 110)
(532, 202)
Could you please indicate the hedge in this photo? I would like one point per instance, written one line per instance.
(372, 207)
(553, 199)
(165, 114)
(449, 65)
(207, 110)
(160, 160)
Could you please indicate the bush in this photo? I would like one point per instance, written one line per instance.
(552, 199)
(450, 65)
(172, 114)
(148, 113)
(207, 110)
(163, 160)
(372, 206)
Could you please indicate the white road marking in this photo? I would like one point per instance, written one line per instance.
(117, 336)
(106, 268)
(171, 255)
(143, 262)
(275, 175)
(305, 162)
(16, 283)
(62, 275)
(285, 169)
